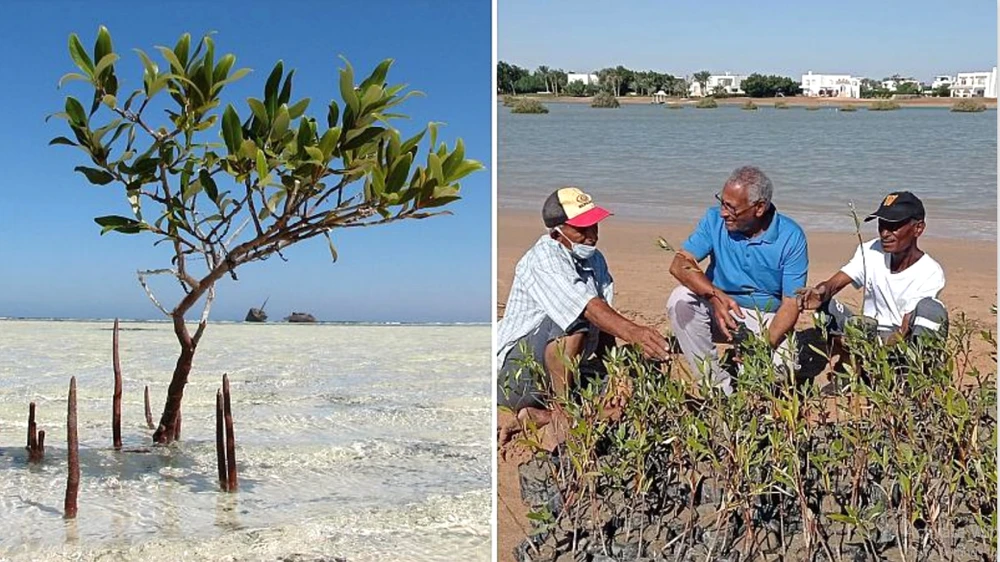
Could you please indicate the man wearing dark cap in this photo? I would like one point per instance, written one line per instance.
(559, 308)
(901, 281)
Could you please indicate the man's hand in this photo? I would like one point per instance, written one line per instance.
(722, 304)
(810, 298)
(654, 346)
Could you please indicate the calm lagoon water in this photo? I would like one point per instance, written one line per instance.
(653, 163)
(363, 442)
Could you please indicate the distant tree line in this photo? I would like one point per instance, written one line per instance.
(620, 81)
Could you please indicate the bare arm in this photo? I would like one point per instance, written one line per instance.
(810, 298)
(685, 269)
(610, 321)
(783, 321)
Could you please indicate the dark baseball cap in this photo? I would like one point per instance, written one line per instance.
(899, 206)
(572, 206)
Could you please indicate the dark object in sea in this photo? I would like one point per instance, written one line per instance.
(300, 317)
(257, 314)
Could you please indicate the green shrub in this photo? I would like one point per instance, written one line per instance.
(509, 100)
(848, 108)
(900, 459)
(749, 105)
(883, 105)
(605, 100)
(528, 105)
(813, 107)
(781, 105)
(707, 103)
(675, 106)
(968, 106)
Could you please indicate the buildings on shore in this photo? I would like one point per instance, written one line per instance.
(962, 85)
(730, 84)
(975, 84)
(830, 85)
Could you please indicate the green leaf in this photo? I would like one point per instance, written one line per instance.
(95, 176)
(456, 157)
(305, 136)
(208, 184)
(62, 140)
(286, 89)
(175, 63)
(333, 250)
(147, 63)
(69, 77)
(271, 87)
(181, 49)
(434, 167)
(464, 169)
(347, 92)
(248, 149)
(281, 122)
(109, 101)
(360, 138)
(378, 75)
(398, 173)
(315, 154)
(79, 55)
(232, 132)
(413, 141)
(105, 63)
(259, 111)
(298, 109)
(75, 112)
(261, 166)
(433, 128)
(102, 47)
(371, 95)
(329, 142)
(221, 71)
(121, 224)
(333, 114)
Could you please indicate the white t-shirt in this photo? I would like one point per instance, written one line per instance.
(889, 296)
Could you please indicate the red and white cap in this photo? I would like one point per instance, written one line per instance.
(572, 206)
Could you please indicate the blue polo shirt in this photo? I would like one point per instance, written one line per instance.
(757, 272)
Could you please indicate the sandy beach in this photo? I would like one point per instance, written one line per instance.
(643, 283)
(794, 101)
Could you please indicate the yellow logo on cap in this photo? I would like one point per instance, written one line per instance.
(583, 199)
(890, 199)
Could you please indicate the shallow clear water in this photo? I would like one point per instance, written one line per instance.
(654, 163)
(366, 442)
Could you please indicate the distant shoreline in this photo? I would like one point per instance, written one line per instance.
(796, 101)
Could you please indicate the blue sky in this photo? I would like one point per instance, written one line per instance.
(53, 261)
(863, 38)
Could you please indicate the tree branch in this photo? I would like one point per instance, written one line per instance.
(149, 293)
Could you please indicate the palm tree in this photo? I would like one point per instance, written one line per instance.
(544, 73)
(702, 79)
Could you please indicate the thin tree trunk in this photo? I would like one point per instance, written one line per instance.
(175, 392)
(73, 480)
(220, 441)
(41, 444)
(230, 437)
(177, 426)
(149, 411)
(31, 426)
(116, 408)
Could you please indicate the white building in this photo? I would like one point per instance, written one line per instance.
(831, 85)
(587, 79)
(942, 80)
(731, 84)
(975, 84)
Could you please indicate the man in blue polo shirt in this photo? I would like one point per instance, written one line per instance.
(758, 261)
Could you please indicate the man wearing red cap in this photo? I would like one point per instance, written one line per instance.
(901, 281)
(559, 307)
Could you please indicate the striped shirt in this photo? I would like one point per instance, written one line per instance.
(550, 282)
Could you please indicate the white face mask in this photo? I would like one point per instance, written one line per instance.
(581, 252)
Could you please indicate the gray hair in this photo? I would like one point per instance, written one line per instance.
(756, 182)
